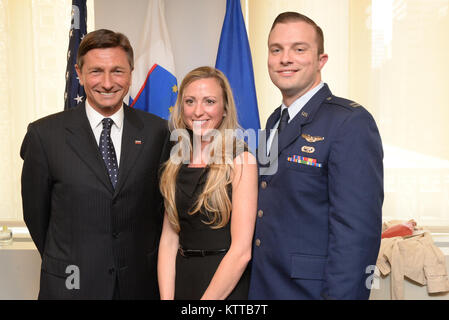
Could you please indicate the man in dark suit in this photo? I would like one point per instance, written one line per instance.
(319, 212)
(90, 184)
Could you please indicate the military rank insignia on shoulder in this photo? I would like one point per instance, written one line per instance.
(354, 105)
(342, 102)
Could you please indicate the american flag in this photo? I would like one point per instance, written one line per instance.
(74, 92)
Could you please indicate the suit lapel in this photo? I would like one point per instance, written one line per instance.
(80, 138)
(131, 147)
(294, 128)
(273, 119)
(262, 148)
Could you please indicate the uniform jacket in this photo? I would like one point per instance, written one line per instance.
(416, 258)
(319, 222)
(76, 218)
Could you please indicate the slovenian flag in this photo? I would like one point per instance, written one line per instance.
(154, 87)
(234, 60)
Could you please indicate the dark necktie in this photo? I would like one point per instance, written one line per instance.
(284, 120)
(107, 151)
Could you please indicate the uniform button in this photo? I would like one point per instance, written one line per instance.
(115, 235)
(111, 271)
(263, 184)
(257, 242)
(260, 213)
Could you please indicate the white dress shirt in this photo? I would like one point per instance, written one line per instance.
(293, 110)
(95, 120)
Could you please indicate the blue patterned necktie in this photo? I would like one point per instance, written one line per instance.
(284, 120)
(108, 152)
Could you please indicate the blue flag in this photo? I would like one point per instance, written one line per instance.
(234, 60)
(74, 92)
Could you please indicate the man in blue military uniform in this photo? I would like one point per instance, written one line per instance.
(320, 210)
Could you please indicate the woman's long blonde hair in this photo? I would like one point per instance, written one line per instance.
(214, 197)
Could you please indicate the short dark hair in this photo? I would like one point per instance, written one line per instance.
(103, 38)
(292, 16)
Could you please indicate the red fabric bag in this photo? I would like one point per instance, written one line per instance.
(400, 230)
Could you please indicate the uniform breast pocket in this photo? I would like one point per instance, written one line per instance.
(305, 168)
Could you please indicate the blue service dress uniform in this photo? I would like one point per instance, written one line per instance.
(320, 211)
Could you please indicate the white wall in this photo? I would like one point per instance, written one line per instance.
(194, 27)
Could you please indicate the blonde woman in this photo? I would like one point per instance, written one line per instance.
(210, 199)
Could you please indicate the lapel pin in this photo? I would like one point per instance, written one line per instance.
(137, 141)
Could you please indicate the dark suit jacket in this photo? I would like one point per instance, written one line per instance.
(76, 218)
(321, 225)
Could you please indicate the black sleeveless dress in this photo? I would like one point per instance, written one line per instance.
(193, 274)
